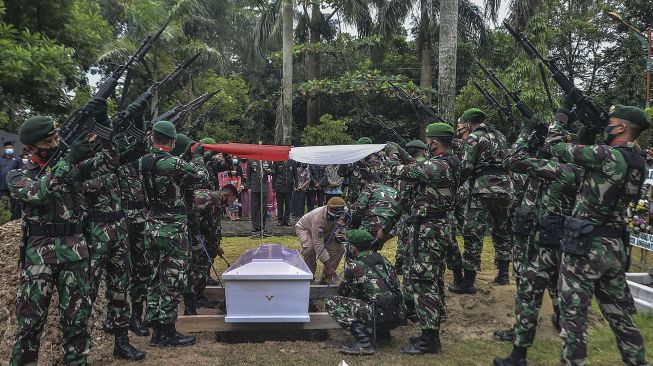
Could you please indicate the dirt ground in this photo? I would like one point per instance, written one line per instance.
(470, 320)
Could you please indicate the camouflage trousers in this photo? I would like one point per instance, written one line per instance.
(536, 276)
(167, 252)
(482, 210)
(206, 236)
(109, 250)
(402, 247)
(37, 283)
(141, 271)
(426, 252)
(347, 310)
(335, 249)
(599, 273)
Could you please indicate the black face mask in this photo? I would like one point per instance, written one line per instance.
(609, 136)
(45, 154)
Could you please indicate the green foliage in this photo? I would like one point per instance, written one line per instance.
(328, 132)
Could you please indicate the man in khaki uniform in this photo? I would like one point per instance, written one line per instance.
(322, 233)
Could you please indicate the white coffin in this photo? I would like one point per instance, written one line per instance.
(269, 284)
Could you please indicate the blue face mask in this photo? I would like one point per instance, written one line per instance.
(9, 151)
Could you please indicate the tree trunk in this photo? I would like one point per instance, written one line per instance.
(313, 71)
(426, 61)
(286, 81)
(448, 44)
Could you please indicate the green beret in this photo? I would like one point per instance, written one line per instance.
(439, 129)
(181, 144)
(417, 144)
(473, 113)
(165, 128)
(632, 114)
(364, 141)
(208, 141)
(359, 238)
(35, 129)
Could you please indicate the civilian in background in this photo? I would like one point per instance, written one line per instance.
(244, 193)
(312, 192)
(333, 186)
(302, 181)
(9, 162)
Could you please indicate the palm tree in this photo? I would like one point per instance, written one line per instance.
(471, 26)
(286, 81)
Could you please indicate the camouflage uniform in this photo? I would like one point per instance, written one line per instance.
(434, 183)
(608, 184)
(375, 209)
(490, 197)
(58, 259)
(556, 196)
(361, 289)
(107, 232)
(168, 180)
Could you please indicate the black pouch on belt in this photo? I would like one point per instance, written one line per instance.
(524, 218)
(577, 237)
(551, 229)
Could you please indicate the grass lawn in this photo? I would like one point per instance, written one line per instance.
(461, 345)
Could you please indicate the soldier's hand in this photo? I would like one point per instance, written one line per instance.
(329, 271)
(79, 150)
(197, 150)
(96, 106)
(528, 125)
(136, 109)
(391, 148)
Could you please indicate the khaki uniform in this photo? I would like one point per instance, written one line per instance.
(320, 240)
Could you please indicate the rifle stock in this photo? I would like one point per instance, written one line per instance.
(505, 111)
(418, 105)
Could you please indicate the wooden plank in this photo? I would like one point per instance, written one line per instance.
(217, 292)
(216, 323)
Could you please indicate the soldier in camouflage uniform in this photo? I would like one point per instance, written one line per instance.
(556, 195)
(375, 210)
(54, 253)
(168, 181)
(106, 231)
(369, 302)
(434, 181)
(593, 244)
(353, 172)
(490, 188)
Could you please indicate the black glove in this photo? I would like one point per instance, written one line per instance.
(98, 108)
(199, 150)
(136, 110)
(79, 150)
(528, 125)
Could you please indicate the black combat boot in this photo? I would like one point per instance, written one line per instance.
(411, 313)
(467, 284)
(156, 333)
(428, 342)
(555, 318)
(516, 358)
(171, 338)
(122, 348)
(503, 277)
(505, 335)
(211, 282)
(107, 326)
(202, 301)
(135, 324)
(363, 344)
(457, 276)
(383, 335)
(189, 304)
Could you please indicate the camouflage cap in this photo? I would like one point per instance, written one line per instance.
(181, 144)
(472, 114)
(165, 128)
(359, 238)
(35, 129)
(417, 144)
(364, 141)
(208, 141)
(439, 129)
(630, 113)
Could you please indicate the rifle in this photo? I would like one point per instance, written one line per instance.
(386, 127)
(504, 111)
(81, 122)
(418, 105)
(122, 122)
(175, 114)
(519, 104)
(199, 122)
(588, 111)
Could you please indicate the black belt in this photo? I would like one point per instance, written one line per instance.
(489, 171)
(135, 205)
(608, 232)
(99, 216)
(434, 216)
(55, 229)
(156, 209)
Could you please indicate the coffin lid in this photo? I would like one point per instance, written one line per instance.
(269, 262)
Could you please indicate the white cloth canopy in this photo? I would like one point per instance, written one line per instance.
(334, 154)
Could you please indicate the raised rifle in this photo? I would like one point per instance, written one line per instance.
(418, 105)
(123, 121)
(174, 115)
(199, 122)
(386, 127)
(82, 122)
(588, 111)
(504, 111)
(519, 104)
